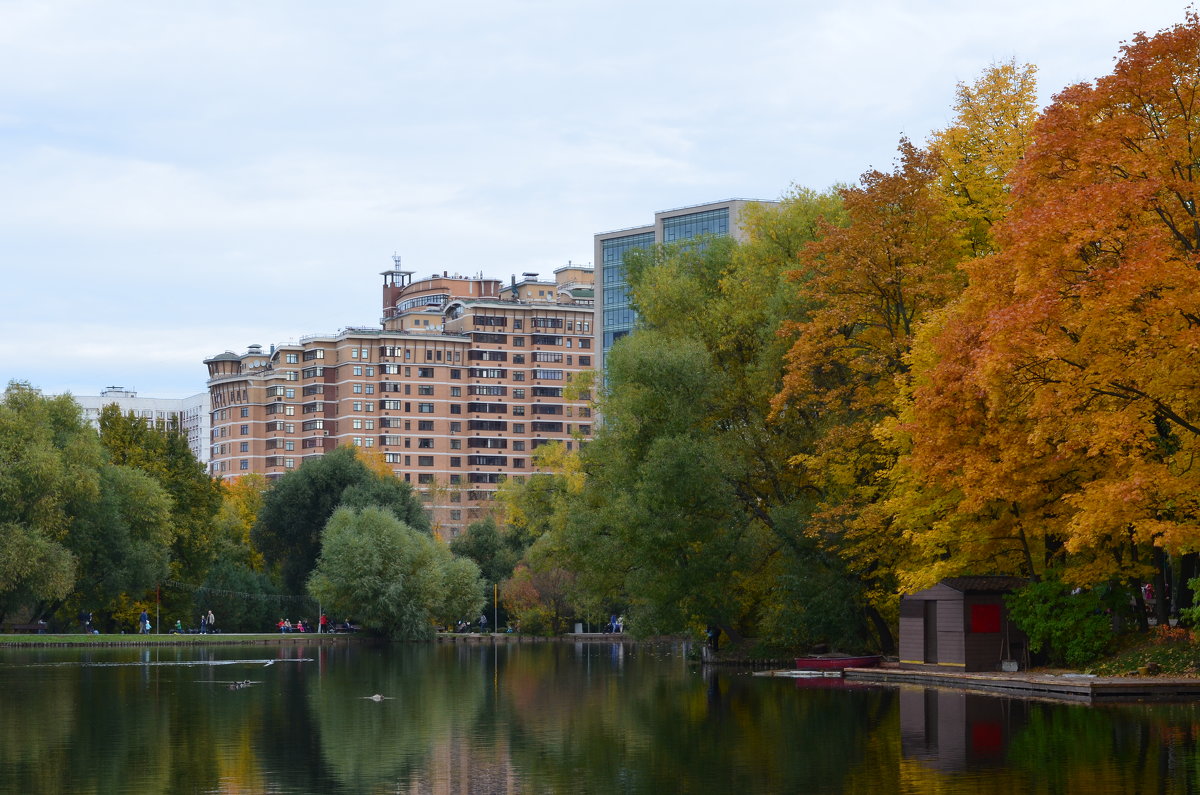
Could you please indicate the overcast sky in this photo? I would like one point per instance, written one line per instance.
(184, 178)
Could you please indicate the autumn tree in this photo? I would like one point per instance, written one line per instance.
(1084, 325)
(871, 285)
(976, 155)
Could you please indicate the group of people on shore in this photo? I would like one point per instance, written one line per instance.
(207, 623)
(302, 625)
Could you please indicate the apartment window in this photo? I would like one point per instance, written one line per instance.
(584, 342)
(289, 445)
(244, 447)
(291, 358)
(518, 444)
(357, 389)
(357, 423)
(289, 463)
(425, 389)
(425, 477)
(518, 342)
(455, 461)
(245, 411)
(518, 427)
(424, 372)
(244, 429)
(370, 389)
(358, 369)
(371, 370)
(424, 425)
(456, 408)
(456, 444)
(425, 444)
(243, 464)
(456, 391)
(519, 463)
(519, 394)
(518, 375)
(455, 373)
(455, 515)
(424, 408)
(455, 479)
(424, 460)
(585, 361)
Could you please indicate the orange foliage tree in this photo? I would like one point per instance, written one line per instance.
(870, 285)
(1069, 359)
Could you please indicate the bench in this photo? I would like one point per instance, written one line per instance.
(36, 628)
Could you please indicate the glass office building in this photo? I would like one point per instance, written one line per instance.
(614, 315)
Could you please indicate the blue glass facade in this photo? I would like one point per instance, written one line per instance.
(618, 316)
(709, 222)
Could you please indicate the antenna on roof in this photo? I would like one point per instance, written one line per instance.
(395, 260)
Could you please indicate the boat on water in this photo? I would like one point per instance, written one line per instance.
(837, 662)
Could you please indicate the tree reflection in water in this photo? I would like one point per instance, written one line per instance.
(545, 717)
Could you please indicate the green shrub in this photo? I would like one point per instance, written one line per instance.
(1071, 627)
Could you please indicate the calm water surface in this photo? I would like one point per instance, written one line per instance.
(544, 718)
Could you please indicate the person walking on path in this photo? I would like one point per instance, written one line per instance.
(212, 621)
(203, 624)
(144, 623)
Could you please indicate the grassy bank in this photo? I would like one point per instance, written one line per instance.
(1165, 651)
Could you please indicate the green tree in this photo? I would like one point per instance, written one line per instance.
(122, 542)
(495, 553)
(243, 600)
(49, 473)
(161, 450)
(397, 580)
(298, 505)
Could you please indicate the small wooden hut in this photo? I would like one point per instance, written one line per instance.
(961, 624)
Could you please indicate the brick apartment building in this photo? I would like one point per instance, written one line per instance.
(464, 379)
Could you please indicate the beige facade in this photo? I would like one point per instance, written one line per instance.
(454, 409)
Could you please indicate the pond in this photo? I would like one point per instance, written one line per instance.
(543, 718)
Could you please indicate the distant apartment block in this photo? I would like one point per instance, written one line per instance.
(614, 316)
(462, 381)
(191, 412)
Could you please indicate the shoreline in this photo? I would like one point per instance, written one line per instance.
(68, 640)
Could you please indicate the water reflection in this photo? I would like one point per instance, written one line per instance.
(587, 717)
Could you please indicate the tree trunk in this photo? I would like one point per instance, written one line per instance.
(887, 644)
(1161, 564)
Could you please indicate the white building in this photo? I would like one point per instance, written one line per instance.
(192, 412)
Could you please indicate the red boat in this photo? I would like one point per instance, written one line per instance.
(828, 662)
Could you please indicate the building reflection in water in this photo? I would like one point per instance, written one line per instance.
(953, 731)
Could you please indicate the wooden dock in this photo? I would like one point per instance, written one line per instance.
(1059, 687)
